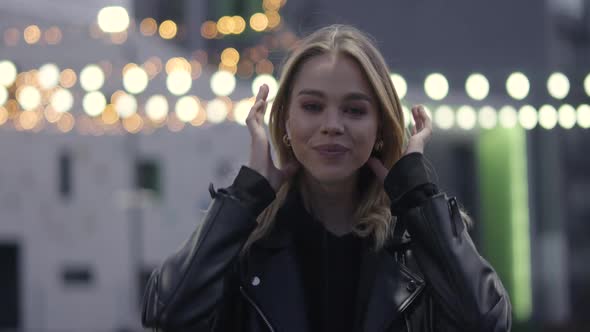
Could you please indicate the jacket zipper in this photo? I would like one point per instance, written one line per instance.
(257, 309)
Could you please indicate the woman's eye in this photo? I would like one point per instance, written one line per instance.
(355, 110)
(313, 107)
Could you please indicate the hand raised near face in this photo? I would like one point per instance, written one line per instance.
(260, 153)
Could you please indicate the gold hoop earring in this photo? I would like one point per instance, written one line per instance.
(286, 140)
(378, 146)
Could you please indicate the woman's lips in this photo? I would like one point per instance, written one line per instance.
(331, 150)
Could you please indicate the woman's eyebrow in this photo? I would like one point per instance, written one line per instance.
(316, 93)
(348, 96)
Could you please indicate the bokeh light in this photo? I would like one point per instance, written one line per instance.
(508, 117)
(62, 100)
(186, 108)
(48, 76)
(28, 97)
(148, 26)
(223, 83)
(558, 85)
(269, 80)
(8, 73)
(3, 95)
(567, 116)
(91, 78)
(32, 34)
(230, 56)
(258, 22)
(156, 108)
(53, 35)
(477, 86)
(547, 116)
(179, 82)
(487, 117)
(466, 117)
(518, 85)
(168, 29)
(587, 85)
(126, 105)
(209, 29)
(436, 86)
(528, 117)
(583, 116)
(67, 78)
(239, 25)
(444, 117)
(94, 103)
(113, 19)
(401, 87)
(135, 80)
(217, 110)
(242, 110)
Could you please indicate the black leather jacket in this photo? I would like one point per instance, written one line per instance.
(429, 277)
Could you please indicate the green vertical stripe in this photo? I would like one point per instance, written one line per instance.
(505, 212)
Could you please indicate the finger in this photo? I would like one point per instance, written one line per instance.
(378, 168)
(262, 92)
(256, 113)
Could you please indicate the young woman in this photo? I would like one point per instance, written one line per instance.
(347, 233)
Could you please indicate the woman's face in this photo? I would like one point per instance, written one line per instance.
(332, 117)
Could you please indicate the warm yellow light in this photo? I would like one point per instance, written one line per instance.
(242, 110)
(7, 73)
(268, 80)
(109, 116)
(28, 97)
(91, 78)
(271, 4)
(177, 63)
(48, 76)
(156, 108)
(216, 111)
(264, 66)
(239, 25)
(113, 19)
(126, 105)
(28, 119)
(223, 83)
(133, 123)
(3, 95)
(66, 123)
(274, 19)
(547, 117)
(11, 36)
(148, 26)
(488, 118)
(119, 37)
(53, 35)
(258, 22)
(518, 86)
(94, 103)
(225, 25)
(230, 56)
(466, 117)
(209, 29)
(567, 116)
(508, 117)
(3, 115)
(32, 34)
(168, 29)
(528, 117)
(436, 86)
(179, 82)
(67, 78)
(62, 100)
(477, 86)
(558, 85)
(444, 117)
(135, 80)
(401, 87)
(583, 115)
(187, 108)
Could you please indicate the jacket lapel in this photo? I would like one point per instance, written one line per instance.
(386, 289)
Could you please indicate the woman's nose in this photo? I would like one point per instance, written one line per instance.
(332, 123)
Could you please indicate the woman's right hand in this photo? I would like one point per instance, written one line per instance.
(260, 154)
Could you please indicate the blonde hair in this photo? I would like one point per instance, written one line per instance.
(373, 211)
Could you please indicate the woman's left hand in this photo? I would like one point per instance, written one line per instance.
(421, 133)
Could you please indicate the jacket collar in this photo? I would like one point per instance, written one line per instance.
(386, 287)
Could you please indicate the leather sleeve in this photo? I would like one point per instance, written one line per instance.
(185, 292)
(469, 293)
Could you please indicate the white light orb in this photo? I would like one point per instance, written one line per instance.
(242, 110)
(269, 80)
(126, 105)
(444, 117)
(508, 117)
(62, 100)
(558, 85)
(477, 86)
(29, 97)
(567, 116)
(547, 117)
(187, 108)
(401, 87)
(91, 78)
(94, 103)
(436, 86)
(135, 80)
(528, 117)
(156, 107)
(113, 19)
(8, 73)
(216, 111)
(223, 83)
(518, 85)
(583, 116)
(487, 117)
(48, 76)
(3, 95)
(179, 82)
(466, 117)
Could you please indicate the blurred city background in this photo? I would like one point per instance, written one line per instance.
(116, 115)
